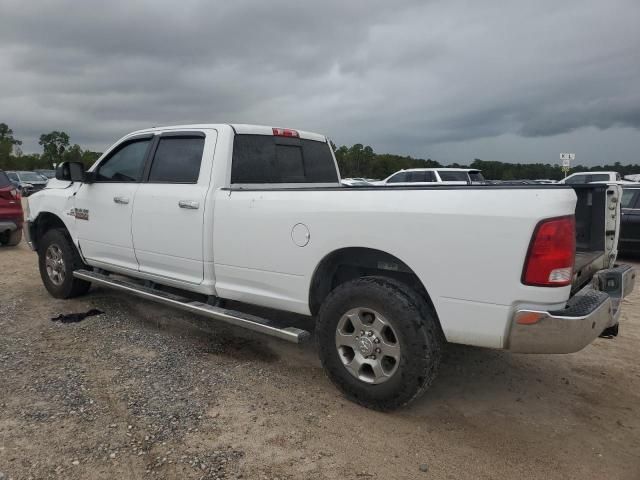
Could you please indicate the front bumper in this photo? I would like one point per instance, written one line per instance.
(27, 232)
(586, 315)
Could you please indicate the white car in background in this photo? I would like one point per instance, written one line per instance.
(591, 177)
(429, 176)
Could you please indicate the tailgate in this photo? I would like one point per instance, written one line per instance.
(597, 227)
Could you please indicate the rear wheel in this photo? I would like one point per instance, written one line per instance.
(58, 259)
(379, 342)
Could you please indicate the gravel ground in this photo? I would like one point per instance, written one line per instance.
(143, 391)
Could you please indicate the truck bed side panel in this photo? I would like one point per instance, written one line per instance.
(467, 246)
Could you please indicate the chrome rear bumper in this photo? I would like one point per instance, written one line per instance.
(587, 314)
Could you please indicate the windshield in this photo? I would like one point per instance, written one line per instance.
(30, 177)
(449, 176)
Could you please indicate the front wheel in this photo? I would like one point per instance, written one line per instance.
(57, 259)
(379, 342)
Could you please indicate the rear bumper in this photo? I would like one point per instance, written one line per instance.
(587, 314)
(8, 225)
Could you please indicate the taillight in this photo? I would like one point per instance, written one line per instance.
(285, 132)
(14, 193)
(551, 254)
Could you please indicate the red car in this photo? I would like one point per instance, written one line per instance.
(11, 215)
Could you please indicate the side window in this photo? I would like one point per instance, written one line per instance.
(126, 164)
(415, 177)
(629, 198)
(177, 160)
(13, 177)
(599, 177)
(398, 178)
(577, 179)
(429, 177)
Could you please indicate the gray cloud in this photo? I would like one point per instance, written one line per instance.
(410, 77)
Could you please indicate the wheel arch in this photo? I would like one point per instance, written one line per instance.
(44, 222)
(349, 263)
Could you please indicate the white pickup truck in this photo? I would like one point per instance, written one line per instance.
(193, 216)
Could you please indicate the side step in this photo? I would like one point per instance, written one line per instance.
(251, 322)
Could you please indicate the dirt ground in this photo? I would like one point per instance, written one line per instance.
(143, 391)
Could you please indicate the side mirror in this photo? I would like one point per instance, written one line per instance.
(73, 172)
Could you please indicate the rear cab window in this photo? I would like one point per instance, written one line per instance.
(270, 159)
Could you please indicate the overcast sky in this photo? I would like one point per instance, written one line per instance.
(517, 81)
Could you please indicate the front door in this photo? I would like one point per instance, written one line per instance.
(103, 209)
(169, 208)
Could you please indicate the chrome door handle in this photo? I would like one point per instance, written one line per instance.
(121, 200)
(190, 204)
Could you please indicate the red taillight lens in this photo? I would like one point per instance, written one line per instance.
(551, 255)
(285, 132)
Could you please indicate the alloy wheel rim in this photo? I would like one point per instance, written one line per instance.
(368, 345)
(54, 262)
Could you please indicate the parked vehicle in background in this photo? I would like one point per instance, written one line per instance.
(630, 220)
(27, 182)
(390, 273)
(351, 182)
(11, 215)
(591, 177)
(633, 178)
(430, 176)
(46, 173)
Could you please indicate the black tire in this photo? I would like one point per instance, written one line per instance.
(69, 287)
(414, 324)
(14, 238)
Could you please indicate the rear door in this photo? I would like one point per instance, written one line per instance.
(169, 207)
(630, 222)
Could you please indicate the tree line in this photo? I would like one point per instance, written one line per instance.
(361, 161)
(355, 161)
(56, 148)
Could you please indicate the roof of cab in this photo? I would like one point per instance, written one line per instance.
(239, 128)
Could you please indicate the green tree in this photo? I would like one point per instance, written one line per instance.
(54, 145)
(7, 143)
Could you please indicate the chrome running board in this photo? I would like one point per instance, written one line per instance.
(239, 319)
